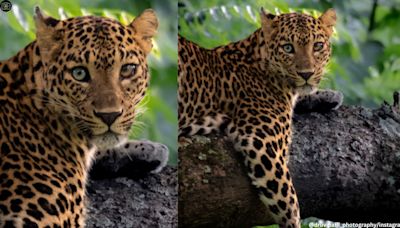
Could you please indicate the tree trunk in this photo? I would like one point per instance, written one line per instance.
(345, 166)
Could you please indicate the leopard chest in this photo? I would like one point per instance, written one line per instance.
(44, 170)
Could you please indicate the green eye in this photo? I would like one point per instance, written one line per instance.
(318, 46)
(288, 48)
(80, 74)
(128, 70)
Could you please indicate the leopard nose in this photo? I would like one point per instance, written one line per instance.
(305, 75)
(108, 117)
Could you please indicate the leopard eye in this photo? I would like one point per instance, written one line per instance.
(288, 48)
(318, 46)
(128, 70)
(80, 74)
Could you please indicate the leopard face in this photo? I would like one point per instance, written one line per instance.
(99, 67)
(298, 47)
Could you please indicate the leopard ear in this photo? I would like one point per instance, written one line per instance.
(145, 27)
(267, 22)
(47, 37)
(328, 20)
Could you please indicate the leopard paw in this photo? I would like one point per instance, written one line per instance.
(132, 159)
(146, 151)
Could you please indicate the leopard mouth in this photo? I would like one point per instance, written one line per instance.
(108, 131)
(103, 136)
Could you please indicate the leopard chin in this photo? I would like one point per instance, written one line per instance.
(305, 89)
(108, 140)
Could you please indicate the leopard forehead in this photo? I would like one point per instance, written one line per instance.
(106, 39)
(299, 28)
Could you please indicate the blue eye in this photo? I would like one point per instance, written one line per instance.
(80, 74)
(288, 48)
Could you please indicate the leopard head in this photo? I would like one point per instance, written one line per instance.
(298, 47)
(93, 72)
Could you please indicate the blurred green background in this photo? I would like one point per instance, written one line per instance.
(365, 64)
(159, 121)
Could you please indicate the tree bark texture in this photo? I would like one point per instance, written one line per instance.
(148, 201)
(345, 166)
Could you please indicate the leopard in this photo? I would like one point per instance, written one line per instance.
(66, 99)
(248, 90)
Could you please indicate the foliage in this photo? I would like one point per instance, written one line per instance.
(366, 53)
(159, 120)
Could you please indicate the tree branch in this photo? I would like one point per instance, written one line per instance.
(345, 166)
